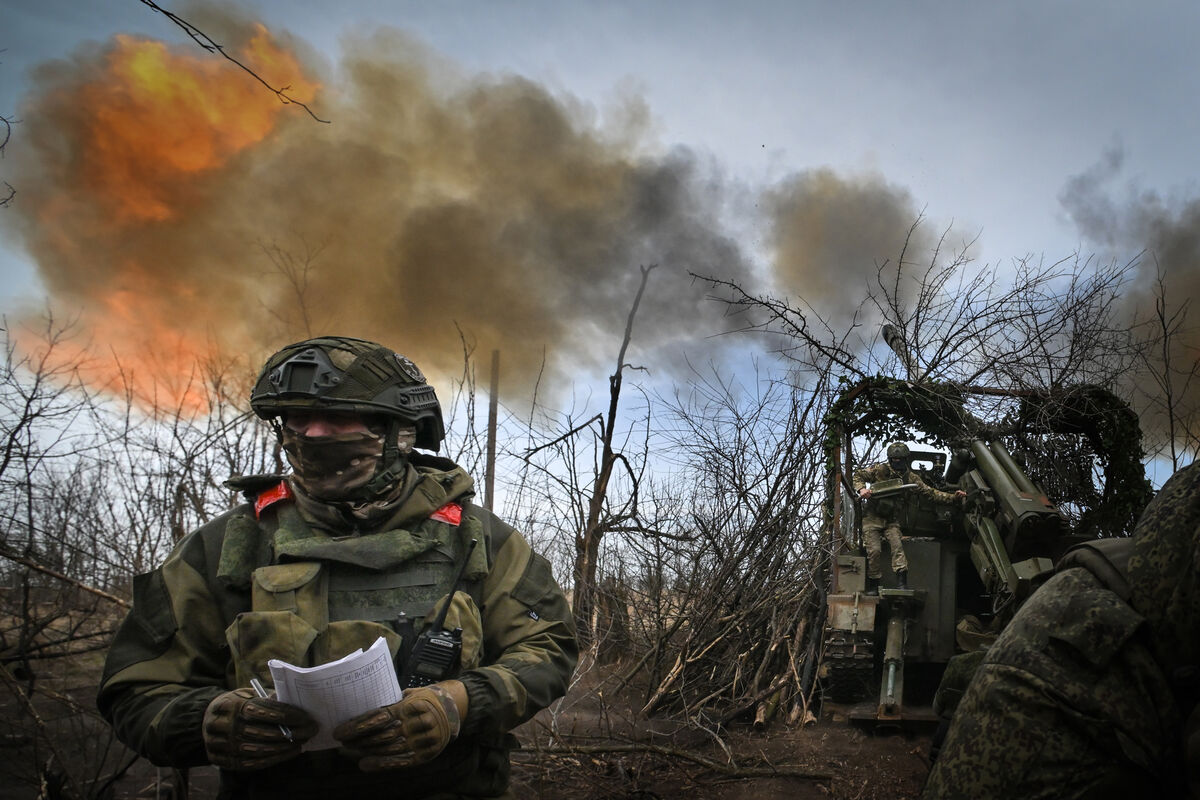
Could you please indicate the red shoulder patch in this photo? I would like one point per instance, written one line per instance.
(270, 497)
(451, 514)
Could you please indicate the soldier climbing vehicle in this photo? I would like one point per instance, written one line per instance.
(1057, 468)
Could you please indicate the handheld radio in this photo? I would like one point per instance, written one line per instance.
(437, 650)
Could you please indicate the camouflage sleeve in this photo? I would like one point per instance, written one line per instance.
(925, 490)
(1065, 705)
(865, 475)
(159, 676)
(529, 641)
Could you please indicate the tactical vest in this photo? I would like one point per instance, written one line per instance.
(316, 598)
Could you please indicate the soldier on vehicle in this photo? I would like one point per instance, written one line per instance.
(1091, 690)
(880, 519)
(364, 538)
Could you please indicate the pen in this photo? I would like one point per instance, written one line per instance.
(256, 684)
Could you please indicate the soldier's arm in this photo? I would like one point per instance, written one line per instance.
(529, 646)
(863, 476)
(926, 490)
(160, 676)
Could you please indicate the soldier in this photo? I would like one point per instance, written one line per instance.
(1091, 690)
(880, 520)
(363, 539)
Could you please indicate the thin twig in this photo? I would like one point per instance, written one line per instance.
(684, 755)
(204, 40)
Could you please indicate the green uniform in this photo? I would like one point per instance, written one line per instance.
(878, 523)
(248, 587)
(1087, 692)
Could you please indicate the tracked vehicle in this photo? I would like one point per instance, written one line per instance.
(970, 565)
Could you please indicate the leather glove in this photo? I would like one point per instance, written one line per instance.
(410, 732)
(241, 730)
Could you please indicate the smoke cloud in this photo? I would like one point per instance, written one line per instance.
(184, 214)
(1129, 221)
(184, 211)
(833, 233)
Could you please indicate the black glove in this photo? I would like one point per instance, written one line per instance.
(242, 731)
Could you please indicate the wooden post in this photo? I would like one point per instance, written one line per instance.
(493, 403)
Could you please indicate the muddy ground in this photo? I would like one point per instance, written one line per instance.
(591, 749)
(842, 763)
(828, 758)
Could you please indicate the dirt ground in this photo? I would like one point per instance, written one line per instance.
(845, 763)
(594, 748)
(825, 759)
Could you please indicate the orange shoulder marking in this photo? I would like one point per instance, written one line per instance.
(451, 514)
(270, 497)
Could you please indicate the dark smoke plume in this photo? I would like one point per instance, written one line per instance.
(433, 206)
(182, 212)
(1166, 232)
(833, 233)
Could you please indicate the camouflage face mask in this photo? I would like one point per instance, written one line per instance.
(333, 467)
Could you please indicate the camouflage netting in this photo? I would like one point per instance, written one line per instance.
(1082, 445)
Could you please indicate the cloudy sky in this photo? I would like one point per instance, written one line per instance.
(600, 135)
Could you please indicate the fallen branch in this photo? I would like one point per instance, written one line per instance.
(670, 752)
(737, 711)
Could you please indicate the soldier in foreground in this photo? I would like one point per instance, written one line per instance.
(364, 538)
(879, 520)
(1091, 691)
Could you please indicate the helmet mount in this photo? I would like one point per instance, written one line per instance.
(344, 374)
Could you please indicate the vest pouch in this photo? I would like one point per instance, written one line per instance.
(342, 637)
(255, 637)
(301, 587)
(289, 606)
(463, 613)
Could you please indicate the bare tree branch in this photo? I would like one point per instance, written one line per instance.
(203, 39)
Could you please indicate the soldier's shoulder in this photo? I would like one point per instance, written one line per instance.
(869, 469)
(1177, 504)
(214, 527)
(206, 540)
(1074, 609)
(496, 530)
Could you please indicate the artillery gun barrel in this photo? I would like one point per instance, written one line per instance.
(895, 340)
(995, 473)
(1005, 459)
(1025, 510)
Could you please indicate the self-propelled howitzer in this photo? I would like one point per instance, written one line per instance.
(970, 564)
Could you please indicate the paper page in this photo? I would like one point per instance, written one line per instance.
(339, 690)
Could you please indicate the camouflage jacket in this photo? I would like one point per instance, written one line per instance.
(1086, 691)
(203, 623)
(883, 471)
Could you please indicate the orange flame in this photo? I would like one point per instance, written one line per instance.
(143, 139)
(159, 118)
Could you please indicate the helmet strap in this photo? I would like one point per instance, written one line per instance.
(391, 466)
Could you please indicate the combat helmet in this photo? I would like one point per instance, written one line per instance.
(898, 456)
(340, 373)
